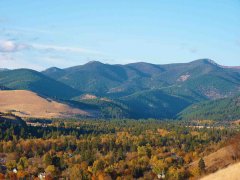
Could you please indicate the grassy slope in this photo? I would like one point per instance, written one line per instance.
(231, 173)
(28, 104)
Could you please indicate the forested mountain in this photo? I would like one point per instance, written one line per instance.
(204, 78)
(154, 104)
(107, 108)
(137, 90)
(26, 79)
(221, 109)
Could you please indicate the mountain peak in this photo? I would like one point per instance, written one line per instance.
(94, 62)
(206, 61)
(53, 69)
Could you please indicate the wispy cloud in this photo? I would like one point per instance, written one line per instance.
(14, 54)
(11, 46)
(63, 48)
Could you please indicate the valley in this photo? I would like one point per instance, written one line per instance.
(133, 121)
(119, 90)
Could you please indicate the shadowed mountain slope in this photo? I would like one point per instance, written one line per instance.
(26, 79)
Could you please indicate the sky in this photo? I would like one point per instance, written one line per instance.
(64, 33)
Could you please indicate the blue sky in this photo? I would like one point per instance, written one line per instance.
(63, 33)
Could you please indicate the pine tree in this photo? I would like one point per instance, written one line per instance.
(201, 165)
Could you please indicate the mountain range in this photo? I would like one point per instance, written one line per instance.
(136, 90)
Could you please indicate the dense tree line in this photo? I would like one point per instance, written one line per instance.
(106, 149)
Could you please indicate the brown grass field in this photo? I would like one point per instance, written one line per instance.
(28, 104)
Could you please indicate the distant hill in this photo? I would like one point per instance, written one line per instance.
(221, 109)
(151, 90)
(93, 77)
(26, 79)
(28, 104)
(204, 78)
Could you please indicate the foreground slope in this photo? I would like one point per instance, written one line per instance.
(219, 159)
(229, 173)
(28, 104)
(224, 157)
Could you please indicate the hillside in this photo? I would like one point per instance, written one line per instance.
(10, 118)
(107, 108)
(219, 159)
(216, 161)
(26, 79)
(28, 104)
(154, 104)
(231, 173)
(221, 109)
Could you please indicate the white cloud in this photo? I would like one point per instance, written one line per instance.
(41, 56)
(11, 46)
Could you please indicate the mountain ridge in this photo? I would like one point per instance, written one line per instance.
(163, 90)
(28, 79)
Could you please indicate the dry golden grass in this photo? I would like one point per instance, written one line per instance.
(230, 173)
(28, 104)
(222, 163)
(218, 160)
